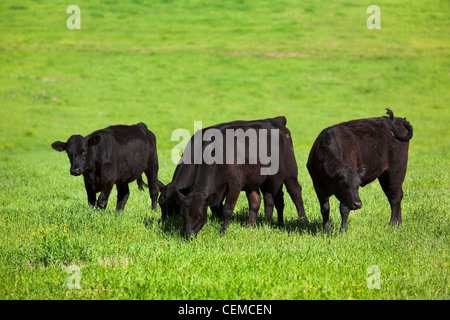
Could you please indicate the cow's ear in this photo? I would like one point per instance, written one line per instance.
(94, 140)
(166, 192)
(362, 170)
(59, 146)
(179, 197)
(161, 185)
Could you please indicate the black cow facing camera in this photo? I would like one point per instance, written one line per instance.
(352, 154)
(114, 155)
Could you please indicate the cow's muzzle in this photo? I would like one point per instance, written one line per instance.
(75, 171)
(356, 205)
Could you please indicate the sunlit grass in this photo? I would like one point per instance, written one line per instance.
(169, 63)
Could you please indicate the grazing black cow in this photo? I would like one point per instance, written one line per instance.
(114, 155)
(183, 178)
(353, 154)
(215, 182)
(181, 181)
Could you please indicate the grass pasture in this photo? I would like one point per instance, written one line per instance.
(168, 63)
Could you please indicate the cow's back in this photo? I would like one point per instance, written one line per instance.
(249, 173)
(359, 142)
(126, 151)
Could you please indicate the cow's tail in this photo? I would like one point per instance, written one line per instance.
(405, 123)
(141, 184)
(279, 121)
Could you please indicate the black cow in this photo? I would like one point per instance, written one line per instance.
(218, 181)
(114, 155)
(183, 179)
(353, 154)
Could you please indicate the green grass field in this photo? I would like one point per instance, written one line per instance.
(168, 63)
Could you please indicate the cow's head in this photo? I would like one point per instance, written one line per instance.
(193, 210)
(345, 184)
(77, 148)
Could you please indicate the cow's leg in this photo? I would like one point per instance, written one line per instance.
(295, 191)
(279, 204)
(254, 202)
(104, 195)
(268, 201)
(123, 193)
(91, 195)
(90, 190)
(344, 216)
(268, 205)
(324, 202)
(394, 193)
(274, 193)
(325, 211)
(227, 211)
(153, 188)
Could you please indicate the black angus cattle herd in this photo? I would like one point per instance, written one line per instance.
(343, 158)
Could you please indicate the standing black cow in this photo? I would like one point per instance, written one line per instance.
(353, 154)
(217, 181)
(114, 155)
